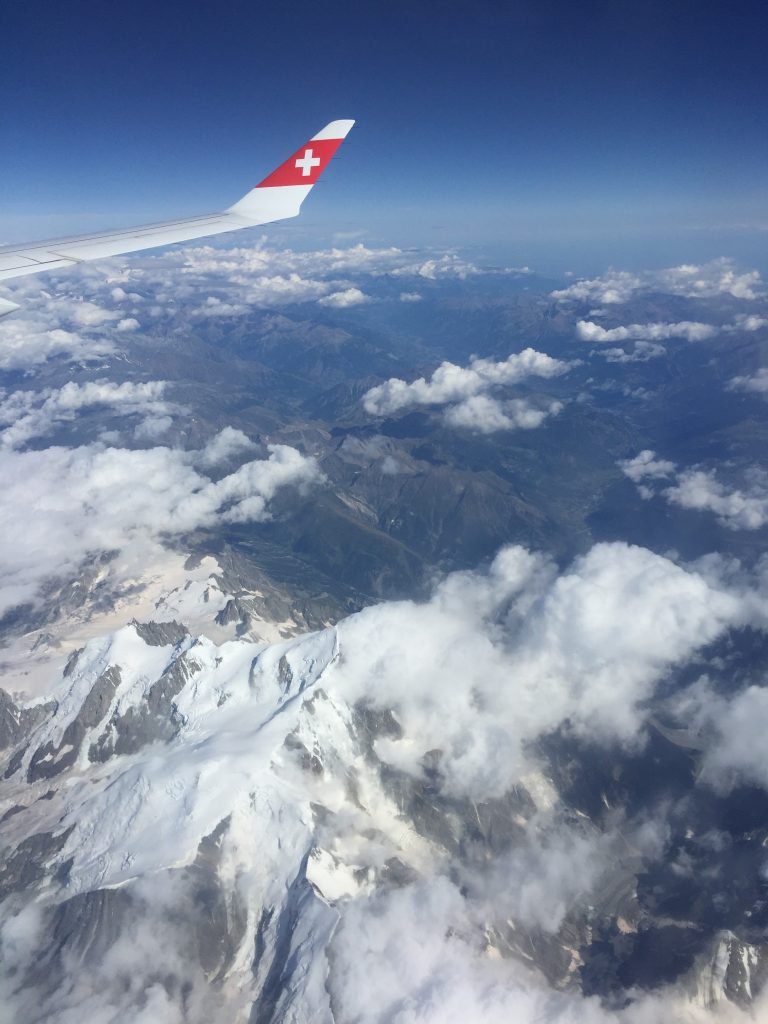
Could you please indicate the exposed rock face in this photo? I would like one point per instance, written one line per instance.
(17, 721)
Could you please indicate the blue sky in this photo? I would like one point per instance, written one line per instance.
(527, 127)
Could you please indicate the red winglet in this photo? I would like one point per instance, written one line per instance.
(305, 166)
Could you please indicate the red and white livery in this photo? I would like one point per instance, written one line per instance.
(277, 197)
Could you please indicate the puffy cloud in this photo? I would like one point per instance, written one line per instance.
(410, 297)
(130, 323)
(646, 466)
(487, 415)
(700, 489)
(59, 506)
(35, 413)
(88, 314)
(447, 265)
(465, 389)
(151, 427)
(496, 659)
(223, 446)
(27, 340)
(647, 336)
(344, 299)
(690, 330)
(267, 277)
(757, 382)
(706, 280)
(736, 509)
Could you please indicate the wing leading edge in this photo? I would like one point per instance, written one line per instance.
(277, 197)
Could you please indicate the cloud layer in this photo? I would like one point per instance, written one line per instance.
(31, 414)
(705, 280)
(61, 506)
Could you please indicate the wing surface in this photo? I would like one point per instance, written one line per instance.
(277, 197)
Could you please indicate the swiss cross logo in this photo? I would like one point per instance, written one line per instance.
(307, 162)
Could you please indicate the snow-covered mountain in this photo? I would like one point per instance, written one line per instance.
(196, 831)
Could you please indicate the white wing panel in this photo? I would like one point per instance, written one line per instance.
(19, 266)
(64, 252)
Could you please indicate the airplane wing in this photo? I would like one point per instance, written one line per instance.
(277, 197)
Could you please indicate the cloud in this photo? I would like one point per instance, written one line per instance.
(498, 658)
(35, 413)
(410, 297)
(342, 300)
(258, 276)
(128, 324)
(417, 956)
(736, 750)
(465, 389)
(225, 445)
(736, 509)
(646, 466)
(757, 382)
(27, 340)
(151, 427)
(204, 281)
(88, 314)
(647, 336)
(487, 415)
(706, 280)
(60, 506)
(700, 489)
(690, 330)
(641, 352)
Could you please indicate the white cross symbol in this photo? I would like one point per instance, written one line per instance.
(307, 162)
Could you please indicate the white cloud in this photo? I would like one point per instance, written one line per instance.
(757, 382)
(205, 281)
(410, 297)
(223, 446)
(496, 659)
(465, 389)
(35, 413)
(690, 330)
(648, 336)
(736, 509)
(647, 466)
(59, 506)
(418, 956)
(88, 314)
(487, 415)
(700, 489)
(27, 340)
(130, 323)
(641, 352)
(737, 727)
(706, 280)
(344, 299)
(152, 427)
(261, 276)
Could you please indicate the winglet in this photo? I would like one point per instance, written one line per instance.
(282, 192)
